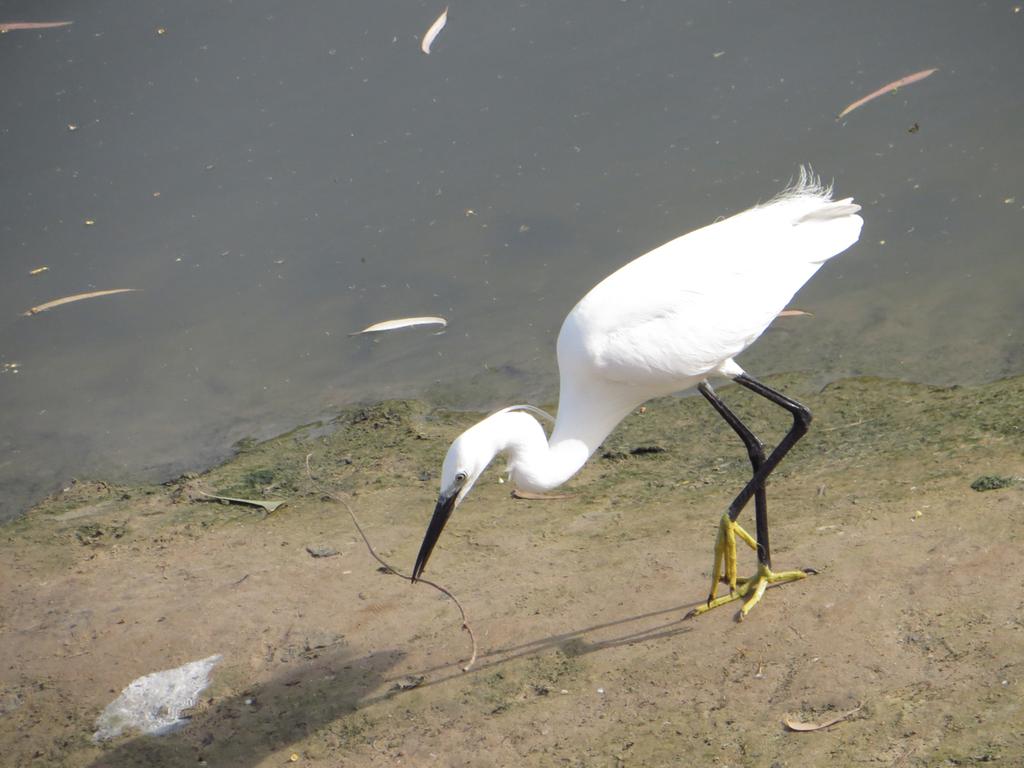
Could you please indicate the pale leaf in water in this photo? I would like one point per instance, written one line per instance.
(10, 26)
(404, 322)
(76, 297)
(434, 31)
(888, 89)
(799, 725)
(39, 270)
(794, 313)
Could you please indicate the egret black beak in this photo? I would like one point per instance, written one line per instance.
(443, 510)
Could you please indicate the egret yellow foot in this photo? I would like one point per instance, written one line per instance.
(749, 590)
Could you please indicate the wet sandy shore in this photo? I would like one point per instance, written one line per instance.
(578, 604)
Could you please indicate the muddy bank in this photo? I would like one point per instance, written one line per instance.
(578, 604)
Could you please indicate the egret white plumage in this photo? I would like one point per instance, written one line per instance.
(663, 323)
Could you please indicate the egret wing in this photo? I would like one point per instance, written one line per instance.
(690, 305)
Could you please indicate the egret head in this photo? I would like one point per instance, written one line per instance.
(466, 460)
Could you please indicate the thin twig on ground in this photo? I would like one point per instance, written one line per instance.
(388, 568)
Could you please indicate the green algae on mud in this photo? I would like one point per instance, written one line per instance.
(401, 443)
(917, 609)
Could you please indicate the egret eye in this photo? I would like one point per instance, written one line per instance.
(460, 477)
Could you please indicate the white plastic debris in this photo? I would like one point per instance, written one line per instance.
(153, 703)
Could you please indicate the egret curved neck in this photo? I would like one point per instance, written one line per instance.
(538, 465)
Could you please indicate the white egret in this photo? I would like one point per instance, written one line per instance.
(662, 323)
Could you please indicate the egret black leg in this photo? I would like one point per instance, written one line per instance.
(751, 590)
(755, 450)
(801, 423)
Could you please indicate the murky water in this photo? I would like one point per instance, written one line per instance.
(274, 176)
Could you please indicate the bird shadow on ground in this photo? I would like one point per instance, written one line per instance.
(245, 728)
(327, 691)
(576, 643)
